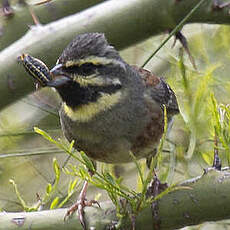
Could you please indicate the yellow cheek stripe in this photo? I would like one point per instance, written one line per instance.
(95, 80)
(89, 80)
(86, 112)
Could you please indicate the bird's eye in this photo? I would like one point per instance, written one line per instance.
(87, 69)
(83, 70)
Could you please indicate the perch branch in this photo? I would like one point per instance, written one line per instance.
(205, 198)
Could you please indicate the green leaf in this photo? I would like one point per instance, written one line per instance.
(207, 157)
(56, 168)
(22, 202)
(98, 182)
(72, 185)
(109, 178)
(50, 139)
(216, 115)
(48, 188)
(71, 145)
(88, 162)
(44, 134)
(54, 203)
(138, 167)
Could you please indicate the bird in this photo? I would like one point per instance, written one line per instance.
(109, 108)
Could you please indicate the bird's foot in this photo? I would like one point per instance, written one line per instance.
(79, 206)
(155, 188)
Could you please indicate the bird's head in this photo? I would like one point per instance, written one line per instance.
(87, 70)
(89, 48)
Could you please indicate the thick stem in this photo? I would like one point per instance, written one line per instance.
(15, 27)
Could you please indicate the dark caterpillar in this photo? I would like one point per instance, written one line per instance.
(36, 68)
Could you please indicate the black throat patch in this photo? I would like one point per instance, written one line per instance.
(74, 95)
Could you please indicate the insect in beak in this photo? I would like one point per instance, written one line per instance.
(58, 76)
(36, 68)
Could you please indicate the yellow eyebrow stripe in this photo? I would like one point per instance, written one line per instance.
(94, 60)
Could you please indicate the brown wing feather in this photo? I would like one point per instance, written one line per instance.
(161, 94)
(160, 91)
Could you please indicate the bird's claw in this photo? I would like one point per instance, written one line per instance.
(79, 207)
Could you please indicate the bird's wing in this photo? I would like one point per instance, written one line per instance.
(160, 91)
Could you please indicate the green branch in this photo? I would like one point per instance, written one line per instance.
(126, 23)
(15, 27)
(195, 201)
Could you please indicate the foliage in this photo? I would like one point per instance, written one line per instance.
(50, 191)
(134, 201)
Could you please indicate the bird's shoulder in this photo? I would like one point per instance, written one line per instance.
(158, 90)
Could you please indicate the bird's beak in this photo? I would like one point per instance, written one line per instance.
(57, 70)
(59, 78)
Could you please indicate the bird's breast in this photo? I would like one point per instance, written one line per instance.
(87, 112)
(115, 125)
